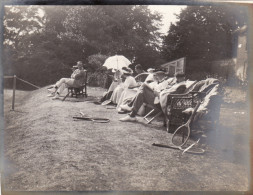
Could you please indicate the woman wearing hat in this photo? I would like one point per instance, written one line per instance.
(128, 83)
(77, 80)
(116, 80)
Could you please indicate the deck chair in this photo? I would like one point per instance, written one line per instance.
(141, 77)
(158, 110)
(78, 91)
(178, 103)
(149, 117)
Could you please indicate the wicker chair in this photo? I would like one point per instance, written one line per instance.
(78, 91)
(177, 103)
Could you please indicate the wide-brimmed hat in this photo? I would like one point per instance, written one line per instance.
(127, 71)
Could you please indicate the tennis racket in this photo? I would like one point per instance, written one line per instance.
(182, 133)
(96, 120)
(191, 149)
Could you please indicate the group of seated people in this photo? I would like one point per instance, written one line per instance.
(130, 95)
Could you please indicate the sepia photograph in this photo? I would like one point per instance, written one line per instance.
(126, 97)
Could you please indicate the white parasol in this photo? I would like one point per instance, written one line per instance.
(116, 62)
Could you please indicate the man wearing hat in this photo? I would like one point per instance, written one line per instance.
(77, 79)
(148, 95)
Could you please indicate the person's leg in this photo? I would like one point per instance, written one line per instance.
(64, 80)
(57, 85)
(146, 95)
(130, 104)
(62, 84)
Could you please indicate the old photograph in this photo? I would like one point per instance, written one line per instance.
(126, 98)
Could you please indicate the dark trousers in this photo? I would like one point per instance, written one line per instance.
(145, 95)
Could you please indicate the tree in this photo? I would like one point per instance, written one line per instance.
(203, 32)
(43, 42)
(110, 30)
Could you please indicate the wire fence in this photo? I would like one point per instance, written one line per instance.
(14, 77)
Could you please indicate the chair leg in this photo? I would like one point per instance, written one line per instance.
(66, 96)
(71, 91)
(168, 126)
(158, 114)
(147, 115)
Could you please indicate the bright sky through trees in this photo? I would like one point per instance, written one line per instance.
(168, 12)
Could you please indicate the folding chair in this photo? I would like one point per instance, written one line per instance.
(154, 109)
(78, 91)
(141, 77)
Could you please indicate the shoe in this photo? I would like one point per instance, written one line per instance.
(57, 96)
(97, 102)
(126, 108)
(52, 90)
(122, 112)
(128, 119)
(106, 102)
(51, 95)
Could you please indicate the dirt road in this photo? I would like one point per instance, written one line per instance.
(46, 150)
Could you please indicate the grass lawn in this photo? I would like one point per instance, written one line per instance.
(46, 150)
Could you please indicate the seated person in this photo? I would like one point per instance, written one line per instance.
(163, 96)
(138, 69)
(150, 77)
(211, 87)
(116, 81)
(77, 80)
(158, 78)
(109, 77)
(128, 84)
(147, 95)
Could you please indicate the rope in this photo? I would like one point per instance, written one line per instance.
(8, 77)
(28, 82)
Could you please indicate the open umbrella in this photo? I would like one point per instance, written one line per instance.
(116, 62)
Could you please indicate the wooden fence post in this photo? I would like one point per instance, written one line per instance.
(14, 89)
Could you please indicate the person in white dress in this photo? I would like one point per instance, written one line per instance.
(127, 84)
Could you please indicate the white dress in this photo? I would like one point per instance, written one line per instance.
(128, 83)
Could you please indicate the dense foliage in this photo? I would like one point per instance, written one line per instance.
(42, 43)
(204, 34)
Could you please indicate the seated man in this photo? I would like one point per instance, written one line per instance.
(138, 69)
(147, 95)
(159, 82)
(77, 80)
